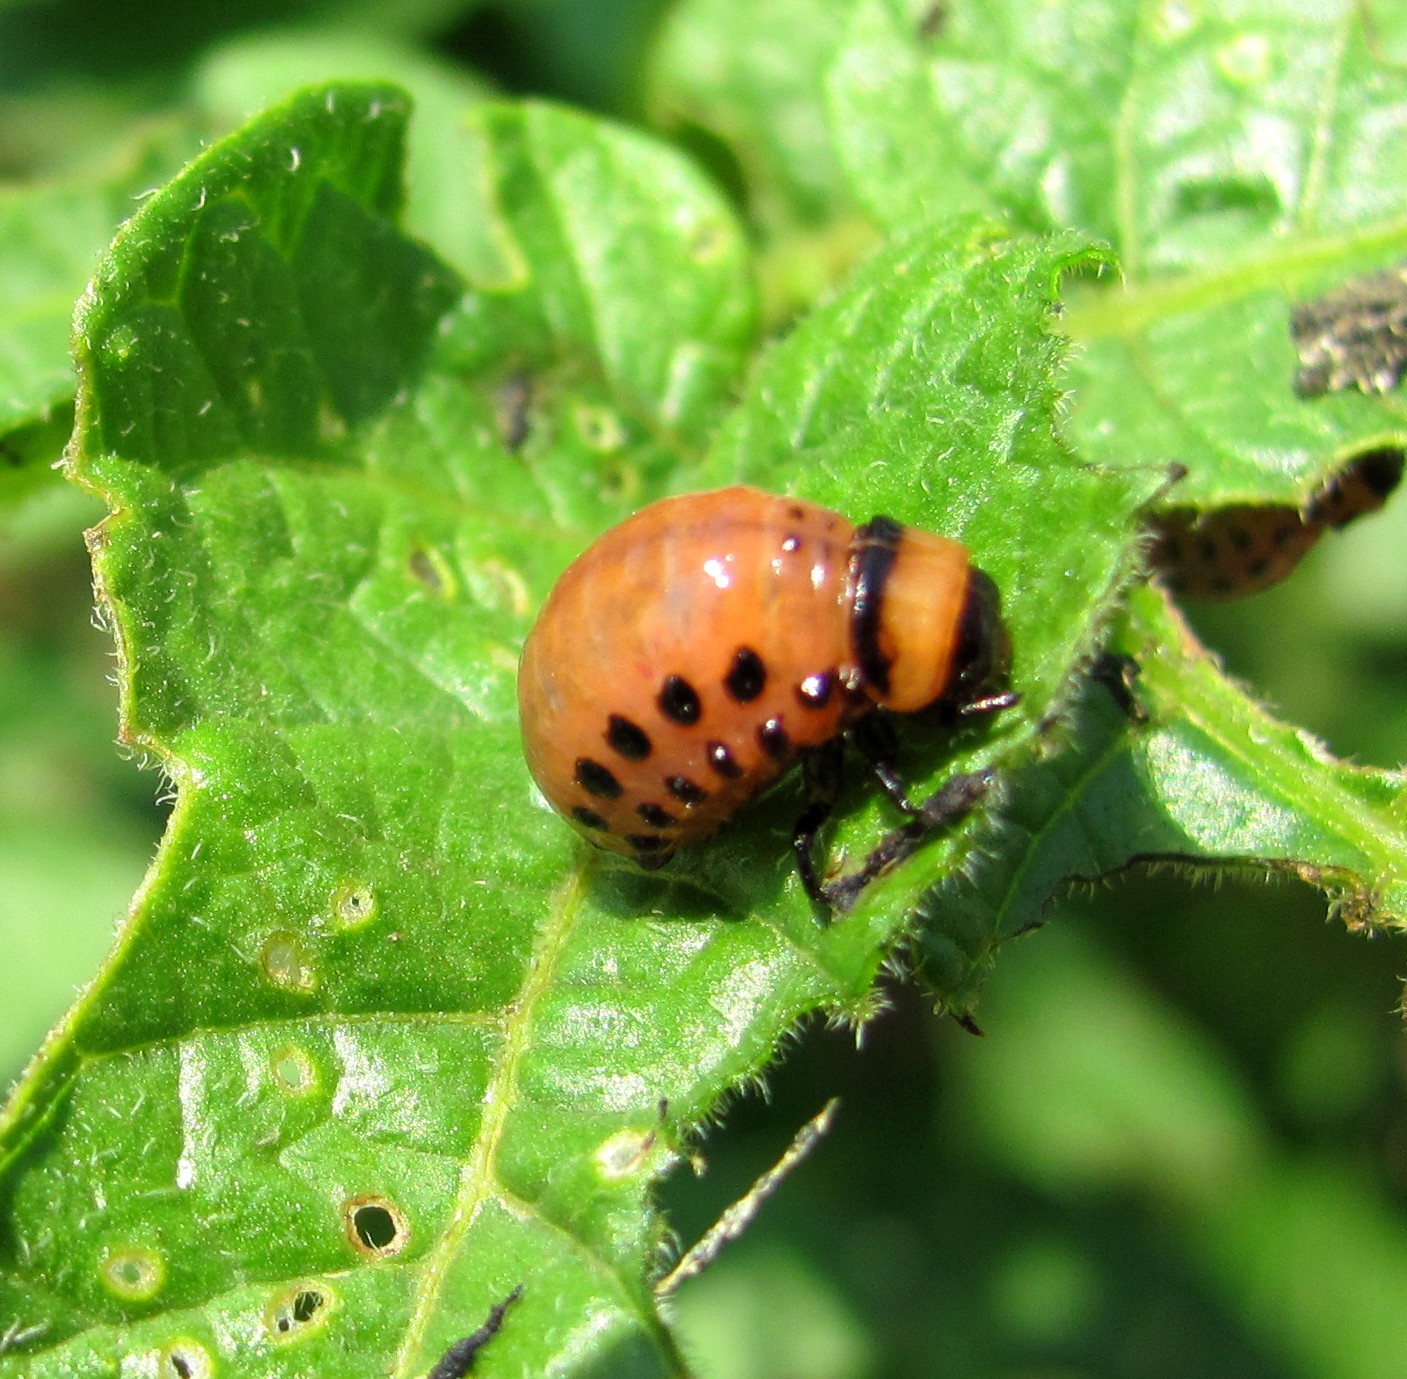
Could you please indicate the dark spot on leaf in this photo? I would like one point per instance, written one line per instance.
(933, 21)
(511, 410)
(428, 571)
(458, 1360)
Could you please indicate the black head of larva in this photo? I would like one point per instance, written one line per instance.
(983, 654)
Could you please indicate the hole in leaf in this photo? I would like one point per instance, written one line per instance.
(620, 482)
(623, 1154)
(600, 428)
(285, 964)
(353, 905)
(1352, 336)
(294, 1071)
(185, 1359)
(432, 572)
(376, 1226)
(294, 1310)
(135, 1272)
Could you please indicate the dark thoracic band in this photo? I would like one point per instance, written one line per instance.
(875, 548)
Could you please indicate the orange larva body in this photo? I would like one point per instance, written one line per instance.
(690, 655)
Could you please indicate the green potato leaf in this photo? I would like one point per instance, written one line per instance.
(1188, 772)
(382, 1040)
(1224, 153)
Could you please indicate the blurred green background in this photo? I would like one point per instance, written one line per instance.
(1180, 1147)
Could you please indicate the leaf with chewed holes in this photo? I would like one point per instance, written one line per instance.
(382, 1040)
(1222, 152)
(1176, 767)
(1245, 164)
(364, 1059)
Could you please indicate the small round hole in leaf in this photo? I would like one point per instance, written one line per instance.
(294, 1071)
(376, 1226)
(285, 963)
(353, 905)
(429, 568)
(134, 1272)
(599, 428)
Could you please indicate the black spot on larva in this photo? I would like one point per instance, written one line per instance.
(645, 842)
(588, 818)
(629, 739)
(679, 701)
(656, 816)
(1381, 470)
(1287, 532)
(684, 790)
(796, 514)
(814, 691)
(1258, 567)
(773, 739)
(1241, 538)
(791, 543)
(596, 779)
(721, 759)
(1206, 548)
(744, 682)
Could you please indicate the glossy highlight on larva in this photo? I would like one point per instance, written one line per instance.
(696, 651)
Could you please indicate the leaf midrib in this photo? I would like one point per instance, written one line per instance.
(1265, 266)
(477, 1180)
